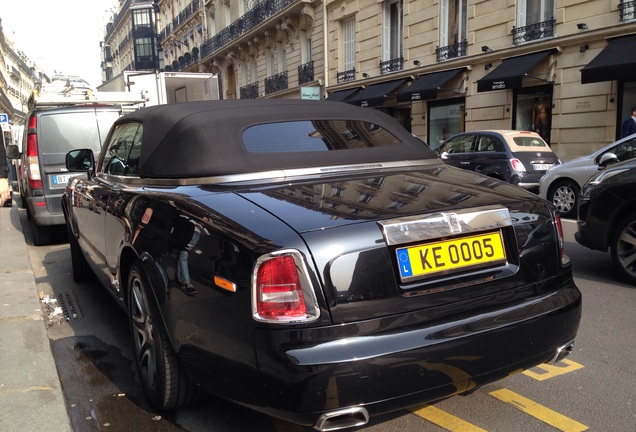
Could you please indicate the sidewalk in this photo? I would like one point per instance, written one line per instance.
(30, 391)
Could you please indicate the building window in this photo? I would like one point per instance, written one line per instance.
(349, 43)
(141, 18)
(143, 48)
(392, 30)
(281, 57)
(253, 70)
(446, 118)
(453, 23)
(305, 47)
(535, 20)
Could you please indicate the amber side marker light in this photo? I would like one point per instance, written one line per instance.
(225, 284)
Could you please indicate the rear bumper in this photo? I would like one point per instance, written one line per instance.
(391, 363)
(40, 213)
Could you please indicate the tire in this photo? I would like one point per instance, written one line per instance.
(82, 271)
(41, 234)
(565, 196)
(164, 384)
(623, 245)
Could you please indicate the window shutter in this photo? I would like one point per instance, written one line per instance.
(443, 23)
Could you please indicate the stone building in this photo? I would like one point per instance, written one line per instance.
(563, 68)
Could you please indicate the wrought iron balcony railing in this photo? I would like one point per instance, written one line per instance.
(533, 32)
(451, 51)
(346, 76)
(306, 73)
(249, 91)
(186, 13)
(626, 9)
(393, 65)
(276, 83)
(255, 16)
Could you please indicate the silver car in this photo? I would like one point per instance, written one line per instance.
(562, 183)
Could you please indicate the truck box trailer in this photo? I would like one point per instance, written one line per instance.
(159, 88)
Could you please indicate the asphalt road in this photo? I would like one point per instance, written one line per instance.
(592, 389)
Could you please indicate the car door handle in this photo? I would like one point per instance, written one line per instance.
(464, 163)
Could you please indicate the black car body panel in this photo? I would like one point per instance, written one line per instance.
(373, 339)
(603, 205)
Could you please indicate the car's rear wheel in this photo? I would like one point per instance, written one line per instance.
(624, 248)
(82, 272)
(564, 195)
(41, 234)
(165, 385)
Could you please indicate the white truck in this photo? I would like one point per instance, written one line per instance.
(159, 88)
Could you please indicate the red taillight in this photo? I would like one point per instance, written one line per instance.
(33, 160)
(517, 165)
(279, 293)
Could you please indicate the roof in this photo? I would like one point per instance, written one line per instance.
(508, 134)
(205, 138)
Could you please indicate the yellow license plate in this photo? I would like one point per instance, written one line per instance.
(444, 257)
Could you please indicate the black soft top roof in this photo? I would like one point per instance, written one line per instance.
(201, 139)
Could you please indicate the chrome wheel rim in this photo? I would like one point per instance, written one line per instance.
(564, 199)
(143, 334)
(626, 249)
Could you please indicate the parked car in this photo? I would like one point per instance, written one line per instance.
(51, 133)
(562, 183)
(314, 260)
(607, 216)
(517, 157)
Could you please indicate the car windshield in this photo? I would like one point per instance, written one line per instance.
(317, 135)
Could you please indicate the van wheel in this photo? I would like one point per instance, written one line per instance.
(41, 234)
(565, 195)
(82, 272)
(166, 386)
(624, 248)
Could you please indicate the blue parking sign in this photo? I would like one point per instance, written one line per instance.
(4, 118)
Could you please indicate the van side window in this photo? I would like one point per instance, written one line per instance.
(122, 153)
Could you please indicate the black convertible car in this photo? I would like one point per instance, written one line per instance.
(313, 260)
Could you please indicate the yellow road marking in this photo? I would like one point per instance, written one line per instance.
(538, 411)
(551, 371)
(445, 420)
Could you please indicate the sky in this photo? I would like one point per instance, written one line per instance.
(59, 35)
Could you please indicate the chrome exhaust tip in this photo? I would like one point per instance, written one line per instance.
(562, 352)
(341, 419)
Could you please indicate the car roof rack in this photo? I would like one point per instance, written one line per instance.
(69, 95)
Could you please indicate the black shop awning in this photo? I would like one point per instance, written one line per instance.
(509, 74)
(426, 86)
(342, 95)
(617, 61)
(376, 94)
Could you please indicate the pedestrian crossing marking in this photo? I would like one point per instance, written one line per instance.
(445, 420)
(551, 371)
(546, 415)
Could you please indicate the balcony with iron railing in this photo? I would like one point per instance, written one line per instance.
(346, 76)
(393, 65)
(259, 14)
(533, 32)
(305, 73)
(249, 91)
(186, 13)
(276, 83)
(626, 10)
(451, 51)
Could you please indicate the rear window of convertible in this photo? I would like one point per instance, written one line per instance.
(316, 135)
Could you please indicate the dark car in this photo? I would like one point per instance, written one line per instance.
(313, 260)
(607, 216)
(517, 157)
(50, 134)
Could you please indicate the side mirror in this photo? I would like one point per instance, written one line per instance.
(81, 160)
(607, 159)
(13, 151)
